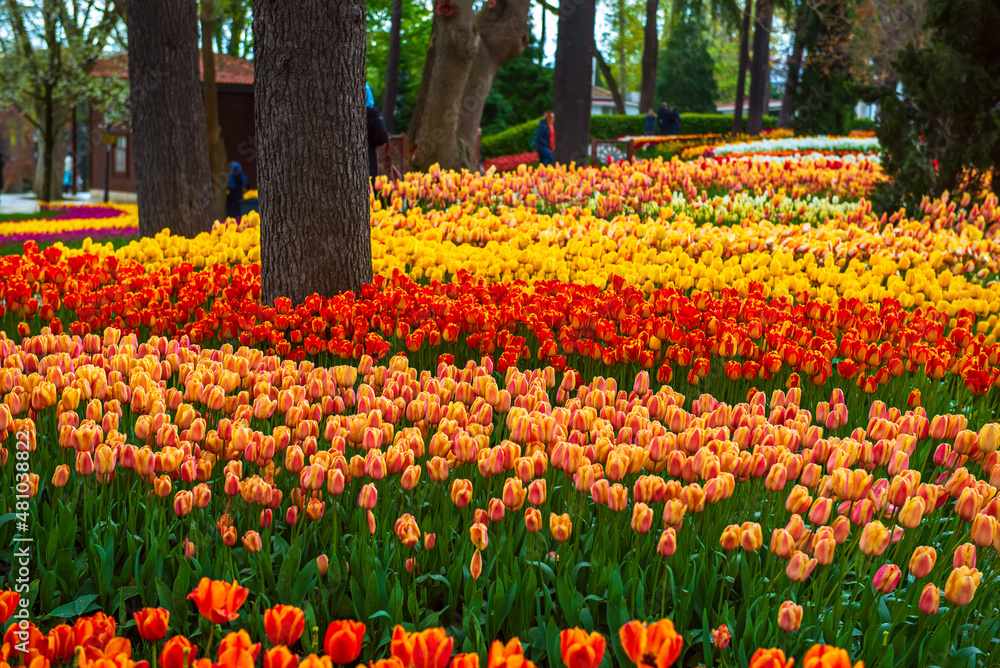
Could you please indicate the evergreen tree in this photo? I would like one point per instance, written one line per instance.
(825, 96)
(942, 132)
(522, 90)
(686, 73)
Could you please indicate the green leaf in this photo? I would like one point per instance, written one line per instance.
(77, 608)
(289, 569)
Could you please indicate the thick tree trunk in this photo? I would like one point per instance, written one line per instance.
(621, 56)
(741, 78)
(49, 167)
(465, 52)
(650, 52)
(309, 82)
(609, 78)
(760, 87)
(216, 147)
(392, 66)
(571, 79)
(792, 82)
(173, 182)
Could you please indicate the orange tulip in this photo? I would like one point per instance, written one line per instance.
(961, 585)
(8, 605)
(721, 637)
(510, 655)
(461, 492)
(479, 535)
(656, 645)
(401, 645)
(561, 526)
(469, 660)
(476, 565)
(284, 624)
(874, 539)
(789, 616)
(930, 599)
(280, 657)
(152, 623)
(219, 602)
(239, 641)
(175, 651)
(580, 649)
(825, 656)
(922, 562)
(432, 648)
(313, 661)
(61, 476)
(770, 658)
(532, 520)
(343, 641)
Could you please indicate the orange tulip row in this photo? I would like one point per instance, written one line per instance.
(94, 643)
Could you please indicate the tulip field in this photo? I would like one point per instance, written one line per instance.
(705, 412)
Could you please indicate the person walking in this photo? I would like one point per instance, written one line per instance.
(238, 184)
(369, 98)
(649, 126)
(545, 139)
(67, 183)
(663, 119)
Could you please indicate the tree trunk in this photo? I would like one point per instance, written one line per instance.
(465, 52)
(309, 83)
(621, 55)
(792, 81)
(744, 63)
(49, 166)
(571, 80)
(650, 52)
(616, 94)
(760, 87)
(216, 147)
(173, 182)
(392, 66)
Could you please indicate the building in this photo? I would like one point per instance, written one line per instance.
(234, 80)
(602, 103)
(773, 107)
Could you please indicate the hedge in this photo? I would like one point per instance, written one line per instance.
(516, 139)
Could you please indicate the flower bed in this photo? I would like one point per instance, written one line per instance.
(73, 222)
(568, 400)
(802, 145)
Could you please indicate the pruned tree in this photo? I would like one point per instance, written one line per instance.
(760, 84)
(826, 95)
(392, 64)
(312, 147)
(466, 50)
(743, 66)
(650, 51)
(788, 100)
(173, 181)
(216, 147)
(571, 80)
(48, 53)
(881, 30)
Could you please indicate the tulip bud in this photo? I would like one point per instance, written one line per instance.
(800, 567)
(965, 555)
(429, 540)
(790, 616)
(962, 584)
(930, 599)
(922, 562)
(667, 544)
(887, 578)
(731, 537)
(476, 567)
(532, 520)
(322, 564)
(61, 475)
(252, 542)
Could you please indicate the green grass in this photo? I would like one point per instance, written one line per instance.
(18, 217)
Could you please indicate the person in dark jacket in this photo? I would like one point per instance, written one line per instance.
(675, 121)
(649, 126)
(378, 135)
(663, 119)
(544, 137)
(238, 185)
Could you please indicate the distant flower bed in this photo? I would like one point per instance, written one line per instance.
(73, 222)
(250, 194)
(506, 163)
(802, 145)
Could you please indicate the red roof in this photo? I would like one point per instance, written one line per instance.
(228, 69)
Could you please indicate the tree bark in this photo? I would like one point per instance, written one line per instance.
(571, 79)
(173, 182)
(650, 52)
(309, 82)
(392, 66)
(760, 87)
(465, 52)
(792, 81)
(744, 63)
(216, 147)
(620, 56)
(609, 77)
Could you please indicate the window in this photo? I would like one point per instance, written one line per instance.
(121, 155)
